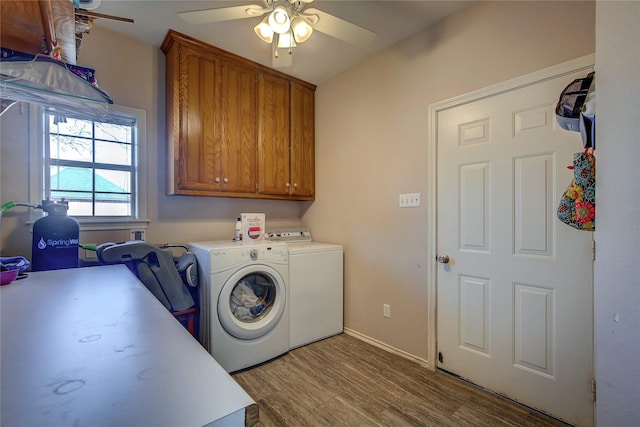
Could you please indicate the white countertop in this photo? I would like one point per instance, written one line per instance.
(93, 347)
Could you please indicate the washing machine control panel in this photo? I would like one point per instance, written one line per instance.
(223, 254)
(267, 253)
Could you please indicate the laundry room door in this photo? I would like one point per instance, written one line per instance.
(514, 300)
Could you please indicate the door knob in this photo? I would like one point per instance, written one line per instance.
(443, 259)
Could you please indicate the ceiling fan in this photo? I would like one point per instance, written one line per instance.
(287, 23)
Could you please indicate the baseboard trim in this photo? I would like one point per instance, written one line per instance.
(387, 347)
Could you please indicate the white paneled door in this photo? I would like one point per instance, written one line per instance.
(514, 301)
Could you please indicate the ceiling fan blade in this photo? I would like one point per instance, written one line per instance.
(91, 13)
(339, 28)
(207, 16)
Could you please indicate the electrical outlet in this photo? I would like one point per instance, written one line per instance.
(410, 200)
(386, 310)
(137, 234)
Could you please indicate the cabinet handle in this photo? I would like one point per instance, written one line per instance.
(295, 185)
(217, 179)
(226, 180)
(287, 185)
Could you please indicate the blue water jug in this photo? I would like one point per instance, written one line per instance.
(56, 239)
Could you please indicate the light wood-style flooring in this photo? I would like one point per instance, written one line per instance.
(343, 381)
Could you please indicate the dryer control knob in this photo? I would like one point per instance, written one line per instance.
(253, 254)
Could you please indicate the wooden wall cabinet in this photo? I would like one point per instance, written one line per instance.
(235, 128)
(237, 138)
(212, 141)
(302, 142)
(286, 134)
(193, 160)
(273, 136)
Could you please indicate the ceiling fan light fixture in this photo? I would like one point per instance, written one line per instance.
(301, 29)
(264, 31)
(279, 20)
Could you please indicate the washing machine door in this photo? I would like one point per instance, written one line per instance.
(252, 302)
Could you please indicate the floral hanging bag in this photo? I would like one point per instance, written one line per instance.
(578, 204)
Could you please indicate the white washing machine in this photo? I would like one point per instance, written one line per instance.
(244, 301)
(316, 291)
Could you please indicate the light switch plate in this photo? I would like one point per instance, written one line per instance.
(410, 200)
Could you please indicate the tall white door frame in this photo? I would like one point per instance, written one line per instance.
(583, 63)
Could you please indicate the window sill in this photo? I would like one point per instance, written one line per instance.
(105, 224)
(95, 224)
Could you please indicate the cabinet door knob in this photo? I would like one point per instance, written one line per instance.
(287, 185)
(226, 180)
(217, 179)
(295, 185)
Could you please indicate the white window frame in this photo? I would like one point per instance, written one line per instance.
(138, 220)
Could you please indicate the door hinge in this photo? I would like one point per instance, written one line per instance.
(593, 250)
(593, 389)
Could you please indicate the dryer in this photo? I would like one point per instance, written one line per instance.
(316, 286)
(244, 301)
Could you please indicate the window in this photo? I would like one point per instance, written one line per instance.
(91, 165)
(94, 164)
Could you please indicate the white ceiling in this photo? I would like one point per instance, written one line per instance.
(317, 60)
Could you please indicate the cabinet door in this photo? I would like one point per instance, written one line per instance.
(302, 142)
(238, 141)
(273, 136)
(195, 154)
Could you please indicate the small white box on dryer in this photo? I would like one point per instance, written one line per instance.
(253, 227)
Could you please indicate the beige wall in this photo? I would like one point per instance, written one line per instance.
(616, 269)
(371, 145)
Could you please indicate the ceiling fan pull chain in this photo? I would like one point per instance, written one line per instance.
(276, 39)
(291, 41)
